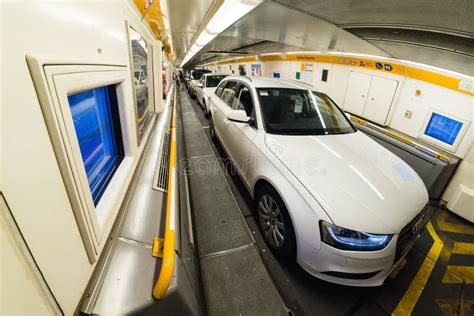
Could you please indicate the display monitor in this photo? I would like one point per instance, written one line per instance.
(443, 128)
(96, 121)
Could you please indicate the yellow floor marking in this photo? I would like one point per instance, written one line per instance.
(463, 248)
(451, 307)
(411, 296)
(459, 274)
(397, 270)
(448, 306)
(450, 277)
(205, 126)
(453, 227)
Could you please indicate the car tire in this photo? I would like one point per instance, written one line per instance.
(275, 222)
(212, 130)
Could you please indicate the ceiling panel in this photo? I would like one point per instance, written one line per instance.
(185, 18)
(287, 28)
(450, 16)
(430, 56)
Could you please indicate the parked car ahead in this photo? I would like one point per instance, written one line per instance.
(194, 77)
(206, 87)
(347, 207)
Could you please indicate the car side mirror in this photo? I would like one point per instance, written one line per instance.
(239, 116)
(348, 115)
(199, 85)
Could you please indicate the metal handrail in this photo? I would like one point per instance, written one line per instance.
(167, 265)
(436, 155)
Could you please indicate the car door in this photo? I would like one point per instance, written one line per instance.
(199, 93)
(240, 136)
(222, 107)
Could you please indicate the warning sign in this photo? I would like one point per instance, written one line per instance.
(378, 65)
(362, 63)
(388, 67)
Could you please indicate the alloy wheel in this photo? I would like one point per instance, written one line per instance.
(271, 221)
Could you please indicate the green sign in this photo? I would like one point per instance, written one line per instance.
(298, 75)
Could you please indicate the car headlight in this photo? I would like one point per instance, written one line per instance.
(346, 239)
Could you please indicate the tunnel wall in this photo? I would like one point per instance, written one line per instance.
(74, 33)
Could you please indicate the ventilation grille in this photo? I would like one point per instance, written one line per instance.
(162, 170)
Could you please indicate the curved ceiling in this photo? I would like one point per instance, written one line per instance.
(433, 32)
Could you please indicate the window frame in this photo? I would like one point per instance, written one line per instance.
(253, 124)
(223, 84)
(237, 85)
(146, 125)
(54, 82)
(438, 143)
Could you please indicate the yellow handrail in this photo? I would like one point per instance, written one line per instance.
(167, 265)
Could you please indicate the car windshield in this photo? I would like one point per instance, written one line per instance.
(301, 112)
(197, 74)
(213, 81)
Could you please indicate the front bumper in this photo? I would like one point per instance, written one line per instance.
(362, 268)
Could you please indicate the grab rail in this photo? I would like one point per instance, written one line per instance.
(436, 155)
(167, 266)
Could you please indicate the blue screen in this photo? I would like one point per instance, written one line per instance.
(276, 75)
(443, 128)
(97, 125)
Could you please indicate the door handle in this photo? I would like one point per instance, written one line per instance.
(226, 122)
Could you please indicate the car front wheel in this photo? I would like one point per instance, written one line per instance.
(275, 222)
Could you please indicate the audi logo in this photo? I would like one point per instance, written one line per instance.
(418, 225)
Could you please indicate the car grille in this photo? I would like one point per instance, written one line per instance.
(410, 232)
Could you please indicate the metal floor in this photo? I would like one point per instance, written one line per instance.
(235, 281)
(437, 277)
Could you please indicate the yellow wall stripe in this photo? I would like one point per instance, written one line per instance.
(381, 65)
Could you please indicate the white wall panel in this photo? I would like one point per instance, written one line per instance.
(80, 32)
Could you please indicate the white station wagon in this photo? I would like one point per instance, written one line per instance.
(206, 87)
(348, 208)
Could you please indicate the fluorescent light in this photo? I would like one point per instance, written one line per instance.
(227, 14)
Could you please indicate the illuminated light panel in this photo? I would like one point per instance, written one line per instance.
(227, 14)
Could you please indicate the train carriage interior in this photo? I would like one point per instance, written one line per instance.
(237, 157)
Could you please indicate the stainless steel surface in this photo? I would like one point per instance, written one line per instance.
(160, 181)
(129, 278)
(144, 220)
(119, 293)
(93, 288)
(429, 55)
(434, 166)
(185, 18)
(447, 16)
(281, 24)
(433, 32)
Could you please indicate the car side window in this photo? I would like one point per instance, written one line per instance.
(243, 101)
(229, 92)
(220, 88)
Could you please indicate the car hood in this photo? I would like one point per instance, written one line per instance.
(360, 184)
